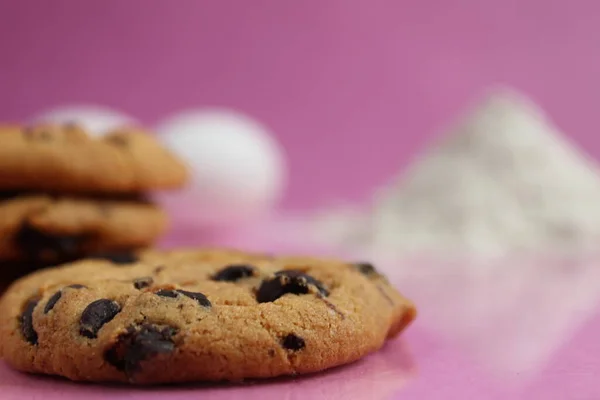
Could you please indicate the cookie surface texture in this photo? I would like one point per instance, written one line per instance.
(197, 315)
(39, 228)
(65, 158)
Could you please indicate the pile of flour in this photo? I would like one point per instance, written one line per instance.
(503, 180)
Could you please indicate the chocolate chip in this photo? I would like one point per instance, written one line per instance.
(52, 301)
(39, 245)
(10, 194)
(288, 281)
(365, 268)
(26, 320)
(77, 286)
(233, 273)
(167, 293)
(293, 342)
(96, 315)
(138, 344)
(199, 297)
(144, 282)
(121, 258)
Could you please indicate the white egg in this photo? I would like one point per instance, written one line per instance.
(96, 119)
(239, 170)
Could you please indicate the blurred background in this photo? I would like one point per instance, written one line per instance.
(351, 89)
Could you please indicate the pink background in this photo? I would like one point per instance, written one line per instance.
(369, 81)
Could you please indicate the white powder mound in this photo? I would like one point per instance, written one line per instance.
(504, 180)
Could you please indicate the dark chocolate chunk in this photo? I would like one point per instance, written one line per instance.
(288, 281)
(9, 194)
(139, 344)
(233, 273)
(199, 297)
(77, 286)
(121, 258)
(301, 277)
(38, 245)
(365, 268)
(144, 282)
(167, 293)
(293, 342)
(52, 301)
(26, 321)
(96, 315)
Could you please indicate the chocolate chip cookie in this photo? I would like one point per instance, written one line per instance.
(197, 315)
(65, 158)
(39, 229)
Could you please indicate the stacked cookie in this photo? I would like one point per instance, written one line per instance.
(65, 194)
(117, 311)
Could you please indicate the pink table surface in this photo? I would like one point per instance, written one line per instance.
(422, 364)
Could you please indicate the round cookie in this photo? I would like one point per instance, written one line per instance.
(41, 229)
(197, 315)
(65, 158)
